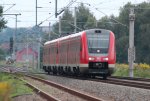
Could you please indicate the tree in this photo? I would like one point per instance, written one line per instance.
(2, 54)
(2, 21)
(66, 24)
(104, 23)
(142, 24)
(143, 45)
(85, 18)
(142, 35)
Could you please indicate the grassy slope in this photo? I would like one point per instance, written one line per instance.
(17, 87)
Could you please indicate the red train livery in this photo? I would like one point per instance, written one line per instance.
(91, 52)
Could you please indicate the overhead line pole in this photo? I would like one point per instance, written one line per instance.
(56, 8)
(14, 35)
(131, 49)
(75, 20)
(60, 25)
(56, 14)
(49, 31)
(37, 26)
(36, 12)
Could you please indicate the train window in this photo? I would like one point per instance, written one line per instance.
(98, 43)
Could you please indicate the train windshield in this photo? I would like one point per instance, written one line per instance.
(98, 43)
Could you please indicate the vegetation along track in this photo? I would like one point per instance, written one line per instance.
(78, 96)
(41, 92)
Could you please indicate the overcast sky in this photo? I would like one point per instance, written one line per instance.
(27, 9)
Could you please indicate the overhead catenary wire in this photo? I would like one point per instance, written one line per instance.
(60, 11)
(28, 11)
(112, 18)
(9, 8)
(106, 15)
(10, 17)
(75, 26)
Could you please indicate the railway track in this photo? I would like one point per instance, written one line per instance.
(40, 92)
(131, 78)
(127, 82)
(77, 94)
(124, 81)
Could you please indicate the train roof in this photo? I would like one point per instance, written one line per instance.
(74, 35)
(52, 41)
(63, 38)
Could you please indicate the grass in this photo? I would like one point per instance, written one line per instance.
(2, 62)
(140, 70)
(12, 87)
(20, 88)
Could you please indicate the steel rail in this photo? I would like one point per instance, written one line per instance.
(131, 78)
(126, 83)
(40, 92)
(69, 90)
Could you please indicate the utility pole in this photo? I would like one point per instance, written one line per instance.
(36, 12)
(36, 7)
(14, 39)
(131, 49)
(38, 34)
(60, 25)
(39, 52)
(27, 50)
(75, 20)
(14, 36)
(49, 31)
(95, 23)
(56, 9)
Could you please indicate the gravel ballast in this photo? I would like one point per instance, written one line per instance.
(105, 91)
(55, 92)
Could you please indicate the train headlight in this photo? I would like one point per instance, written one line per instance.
(106, 59)
(91, 58)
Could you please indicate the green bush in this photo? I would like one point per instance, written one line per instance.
(140, 70)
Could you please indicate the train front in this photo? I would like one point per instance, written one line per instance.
(101, 54)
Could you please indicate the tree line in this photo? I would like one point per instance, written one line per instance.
(2, 25)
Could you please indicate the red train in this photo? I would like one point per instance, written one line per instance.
(90, 52)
